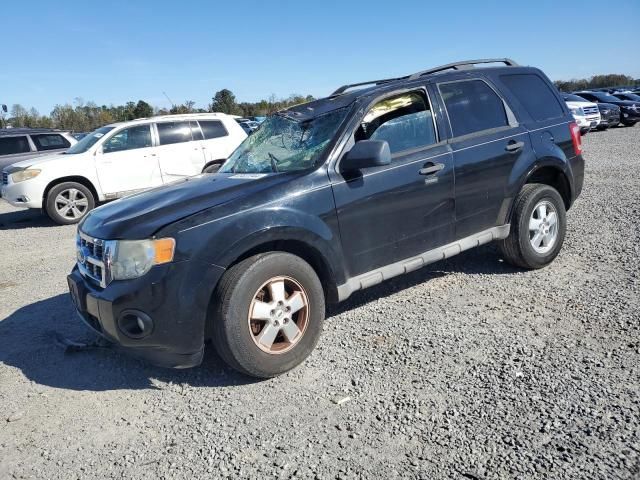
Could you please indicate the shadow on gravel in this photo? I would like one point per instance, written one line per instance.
(30, 341)
(29, 218)
(30, 337)
(484, 260)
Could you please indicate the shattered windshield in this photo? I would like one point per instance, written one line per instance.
(285, 144)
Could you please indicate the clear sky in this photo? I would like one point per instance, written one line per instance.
(115, 51)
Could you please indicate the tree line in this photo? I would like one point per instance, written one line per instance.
(596, 81)
(84, 116)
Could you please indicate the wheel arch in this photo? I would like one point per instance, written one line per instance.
(71, 178)
(218, 161)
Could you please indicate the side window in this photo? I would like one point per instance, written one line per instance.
(213, 129)
(9, 145)
(404, 121)
(174, 132)
(534, 94)
(196, 133)
(129, 139)
(472, 107)
(50, 141)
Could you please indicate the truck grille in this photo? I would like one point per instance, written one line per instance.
(5, 178)
(91, 256)
(590, 110)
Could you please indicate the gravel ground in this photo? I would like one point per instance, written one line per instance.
(467, 369)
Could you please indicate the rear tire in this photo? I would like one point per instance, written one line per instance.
(538, 227)
(69, 202)
(268, 312)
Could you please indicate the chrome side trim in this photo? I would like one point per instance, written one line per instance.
(381, 274)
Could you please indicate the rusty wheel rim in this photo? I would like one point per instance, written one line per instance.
(278, 315)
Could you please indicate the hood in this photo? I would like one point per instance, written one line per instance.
(573, 104)
(608, 106)
(141, 215)
(39, 160)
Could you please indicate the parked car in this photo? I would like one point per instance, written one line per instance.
(325, 199)
(18, 144)
(609, 115)
(121, 159)
(629, 111)
(249, 126)
(586, 114)
(628, 96)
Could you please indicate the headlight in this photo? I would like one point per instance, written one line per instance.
(22, 175)
(133, 258)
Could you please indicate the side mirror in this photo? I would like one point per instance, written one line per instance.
(366, 153)
(99, 151)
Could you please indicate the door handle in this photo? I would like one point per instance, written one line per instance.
(431, 168)
(514, 146)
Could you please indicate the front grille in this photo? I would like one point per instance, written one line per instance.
(590, 110)
(91, 258)
(5, 178)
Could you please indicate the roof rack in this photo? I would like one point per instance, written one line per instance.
(344, 88)
(464, 65)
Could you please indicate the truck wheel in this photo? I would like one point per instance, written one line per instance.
(69, 202)
(268, 314)
(538, 227)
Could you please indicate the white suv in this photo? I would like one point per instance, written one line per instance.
(121, 159)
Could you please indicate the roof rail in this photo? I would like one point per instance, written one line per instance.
(465, 65)
(344, 88)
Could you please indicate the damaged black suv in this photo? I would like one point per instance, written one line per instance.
(327, 198)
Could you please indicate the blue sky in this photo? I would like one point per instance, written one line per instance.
(112, 52)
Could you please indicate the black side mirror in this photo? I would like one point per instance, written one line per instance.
(366, 153)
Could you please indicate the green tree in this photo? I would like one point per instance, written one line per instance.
(142, 110)
(224, 101)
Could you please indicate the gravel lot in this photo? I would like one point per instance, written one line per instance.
(468, 369)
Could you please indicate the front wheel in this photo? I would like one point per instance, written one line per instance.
(268, 312)
(69, 202)
(538, 227)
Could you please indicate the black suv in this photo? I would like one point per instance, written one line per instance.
(327, 198)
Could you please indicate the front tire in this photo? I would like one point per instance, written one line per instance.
(67, 203)
(268, 312)
(538, 227)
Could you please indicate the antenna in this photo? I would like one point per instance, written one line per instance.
(165, 94)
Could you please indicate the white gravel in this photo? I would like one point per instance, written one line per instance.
(467, 369)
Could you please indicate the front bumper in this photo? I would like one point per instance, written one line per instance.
(174, 299)
(26, 194)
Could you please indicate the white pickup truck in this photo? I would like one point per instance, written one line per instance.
(120, 159)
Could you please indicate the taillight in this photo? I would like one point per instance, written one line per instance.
(576, 138)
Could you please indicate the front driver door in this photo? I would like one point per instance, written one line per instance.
(128, 162)
(397, 211)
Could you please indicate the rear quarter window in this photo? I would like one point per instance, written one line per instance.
(11, 145)
(212, 129)
(50, 142)
(534, 94)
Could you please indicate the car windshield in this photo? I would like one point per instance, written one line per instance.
(605, 97)
(89, 141)
(285, 144)
(629, 96)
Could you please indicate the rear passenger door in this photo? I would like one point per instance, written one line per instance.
(217, 144)
(487, 143)
(179, 155)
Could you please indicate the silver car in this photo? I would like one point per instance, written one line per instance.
(17, 144)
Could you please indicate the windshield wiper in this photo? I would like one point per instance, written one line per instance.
(274, 161)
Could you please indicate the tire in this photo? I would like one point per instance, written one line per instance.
(212, 167)
(602, 128)
(238, 338)
(518, 248)
(74, 193)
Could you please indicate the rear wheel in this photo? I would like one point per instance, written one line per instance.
(69, 202)
(268, 314)
(538, 227)
(213, 167)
